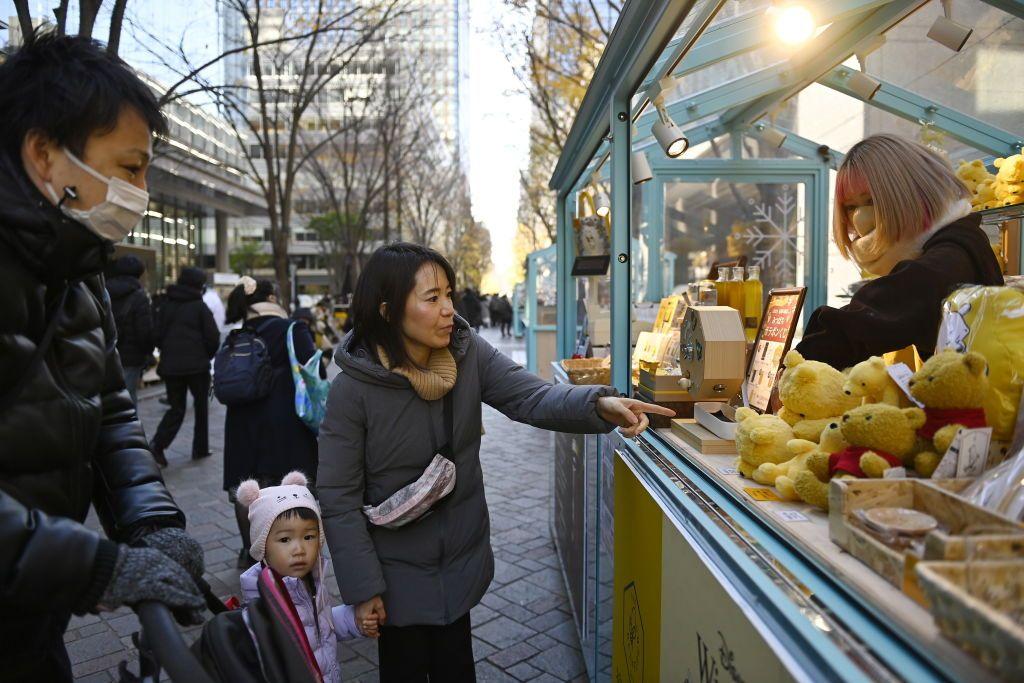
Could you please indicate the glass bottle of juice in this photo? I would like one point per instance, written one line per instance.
(737, 295)
(724, 286)
(753, 302)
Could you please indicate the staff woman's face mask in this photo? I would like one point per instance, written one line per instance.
(116, 216)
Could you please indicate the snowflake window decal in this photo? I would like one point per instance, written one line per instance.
(774, 235)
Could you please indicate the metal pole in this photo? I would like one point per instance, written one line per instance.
(621, 243)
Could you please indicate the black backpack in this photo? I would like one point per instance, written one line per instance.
(241, 370)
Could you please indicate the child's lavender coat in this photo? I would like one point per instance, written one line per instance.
(324, 625)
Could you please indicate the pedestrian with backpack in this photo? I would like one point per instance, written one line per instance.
(188, 338)
(264, 438)
(133, 316)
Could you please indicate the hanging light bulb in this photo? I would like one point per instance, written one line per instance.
(640, 168)
(668, 134)
(602, 204)
(792, 23)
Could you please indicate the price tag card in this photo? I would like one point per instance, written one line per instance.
(967, 455)
(728, 470)
(762, 495)
(792, 516)
(901, 374)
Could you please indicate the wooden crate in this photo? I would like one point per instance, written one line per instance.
(588, 370)
(964, 528)
(979, 605)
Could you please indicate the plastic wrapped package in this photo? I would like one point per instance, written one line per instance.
(1001, 489)
(413, 501)
(990, 320)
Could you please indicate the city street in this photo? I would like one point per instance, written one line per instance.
(523, 630)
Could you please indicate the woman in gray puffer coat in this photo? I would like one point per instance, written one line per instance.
(413, 379)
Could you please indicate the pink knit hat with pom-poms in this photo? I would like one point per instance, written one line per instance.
(266, 504)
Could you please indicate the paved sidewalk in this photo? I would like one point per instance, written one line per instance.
(523, 630)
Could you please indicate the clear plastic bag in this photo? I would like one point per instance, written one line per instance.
(413, 501)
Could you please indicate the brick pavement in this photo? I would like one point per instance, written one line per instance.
(522, 630)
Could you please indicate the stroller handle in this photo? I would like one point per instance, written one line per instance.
(168, 646)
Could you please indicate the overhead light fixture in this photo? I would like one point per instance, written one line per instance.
(863, 85)
(668, 135)
(948, 32)
(640, 168)
(773, 136)
(792, 23)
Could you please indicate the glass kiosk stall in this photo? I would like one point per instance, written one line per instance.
(712, 130)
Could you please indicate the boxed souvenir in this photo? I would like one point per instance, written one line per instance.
(889, 524)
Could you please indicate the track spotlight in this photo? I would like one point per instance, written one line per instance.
(792, 23)
(948, 32)
(668, 135)
(640, 168)
(862, 85)
(773, 136)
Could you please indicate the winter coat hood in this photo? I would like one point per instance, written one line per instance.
(178, 292)
(121, 286)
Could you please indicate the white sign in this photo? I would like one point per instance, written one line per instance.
(728, 470)
(792, 516)
(901, 374)
(967, 455)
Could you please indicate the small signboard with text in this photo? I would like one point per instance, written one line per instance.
(774, 337)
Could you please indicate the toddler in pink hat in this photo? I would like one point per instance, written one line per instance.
(287, 535)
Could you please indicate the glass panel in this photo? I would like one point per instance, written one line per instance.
(735, 8)
(592, 236)
(721, 220)
(981, 80)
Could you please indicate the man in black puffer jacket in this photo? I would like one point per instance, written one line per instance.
(188, 338)
(133, 316)
(76, 130)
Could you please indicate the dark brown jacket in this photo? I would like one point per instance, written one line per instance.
(905, 306)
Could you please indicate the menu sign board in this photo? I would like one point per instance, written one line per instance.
(774, 336)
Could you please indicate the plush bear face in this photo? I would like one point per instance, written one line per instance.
(883, 427)
(762, 438)
(952, 380)
(867, 378)
(832, 439)
(813, 390)
(972, 173)
(1011, 169)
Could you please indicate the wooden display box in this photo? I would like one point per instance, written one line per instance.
(683, 408)
(963, 526)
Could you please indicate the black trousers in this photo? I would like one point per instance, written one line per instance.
(415, 654)
(177, 386)
(34, 648)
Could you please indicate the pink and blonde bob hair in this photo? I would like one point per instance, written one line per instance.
(909, 185)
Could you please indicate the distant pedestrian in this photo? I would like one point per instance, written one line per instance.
(76, 134)
(133, 316)
(471, 302)
(213, 301)
(265, 439)
(188, 339)
(505, 308)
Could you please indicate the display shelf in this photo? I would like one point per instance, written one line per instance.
(1001, 214)
(805, 529)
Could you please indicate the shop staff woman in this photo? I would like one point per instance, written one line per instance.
(903, 216)
(384, 424)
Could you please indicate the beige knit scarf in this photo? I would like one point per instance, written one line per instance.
(432, 383)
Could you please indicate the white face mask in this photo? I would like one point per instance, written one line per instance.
(116, 216)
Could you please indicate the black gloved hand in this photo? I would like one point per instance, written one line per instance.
(147, 574)
(180, 547)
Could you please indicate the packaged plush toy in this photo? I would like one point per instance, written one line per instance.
(990, 321)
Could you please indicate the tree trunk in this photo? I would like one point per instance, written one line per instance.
(87, 11)
(116, 19)
(24, 20)
(60, 12)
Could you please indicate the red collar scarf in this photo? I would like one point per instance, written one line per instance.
(938, 418)
(847, 461)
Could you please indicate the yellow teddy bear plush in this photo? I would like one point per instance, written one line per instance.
(880, 436)
(985, 196)
(869, 382)
(1011, 169)
(953, 388)
(783, 476)
(812, 396)
(970, 174)
(1008, 194)
(760, 439)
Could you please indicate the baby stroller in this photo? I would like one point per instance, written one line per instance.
(225, 651)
